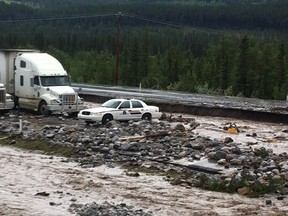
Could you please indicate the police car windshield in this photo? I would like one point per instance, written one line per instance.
(111, 104)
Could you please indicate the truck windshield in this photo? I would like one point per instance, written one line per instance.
(54, 80)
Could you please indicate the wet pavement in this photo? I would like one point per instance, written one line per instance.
(195, 104)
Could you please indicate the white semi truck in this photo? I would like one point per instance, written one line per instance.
(37, 81)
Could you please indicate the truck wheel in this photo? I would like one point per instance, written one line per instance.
(147, 116)
(16, 102)
(106, 118)
(43, 109)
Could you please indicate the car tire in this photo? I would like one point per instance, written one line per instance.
(147, 116)
(106, 118)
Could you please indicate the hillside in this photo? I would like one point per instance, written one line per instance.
(236, 48)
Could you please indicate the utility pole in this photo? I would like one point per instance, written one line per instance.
(119, 14)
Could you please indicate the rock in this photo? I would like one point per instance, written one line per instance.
(228, 174)
(13, 142)
(182, 154)
(276, 171)
(194, 124)
(236, 161)
(213, 143)
(50, 136)
(222, 161)
(196, 157)
(219, 155)
(104, 150)
(280, 198)
(44, 193)
(180, 127)
(133, 174)
(85, 140)
(196, 146)
(228, 140)
(243, 191)
(112, 124)
(236, 151)
(166, 139)
(54, 204)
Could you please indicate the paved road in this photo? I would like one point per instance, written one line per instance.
(197, 104)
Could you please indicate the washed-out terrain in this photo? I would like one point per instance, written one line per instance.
(32, 183)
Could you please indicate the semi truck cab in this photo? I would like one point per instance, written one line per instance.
(39, 82)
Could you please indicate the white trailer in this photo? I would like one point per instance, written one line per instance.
(38, 81)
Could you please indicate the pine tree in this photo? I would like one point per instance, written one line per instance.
(242, 71)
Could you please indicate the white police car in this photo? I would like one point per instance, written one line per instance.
(120, 109)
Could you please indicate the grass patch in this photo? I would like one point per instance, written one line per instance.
(39, 145)
(272, 186)
(143, 169)
(262, 153)
(171, 175)
(257, 188)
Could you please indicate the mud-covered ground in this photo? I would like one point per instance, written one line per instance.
(35, 184)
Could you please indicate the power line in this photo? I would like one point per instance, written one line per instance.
(176, 25)
(154, 20)
(147, 19)
(55, 18)
(134, 16)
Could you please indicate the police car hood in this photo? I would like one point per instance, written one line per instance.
(100, 109)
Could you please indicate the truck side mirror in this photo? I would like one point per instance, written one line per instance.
(32, 81)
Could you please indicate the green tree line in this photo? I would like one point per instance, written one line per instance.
(245, 68)
(238, 59)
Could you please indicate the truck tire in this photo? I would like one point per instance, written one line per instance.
(16, 102)
(146, 116)
(42, 108)
(106, 118)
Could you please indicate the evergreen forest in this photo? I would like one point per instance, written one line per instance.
(222, 47)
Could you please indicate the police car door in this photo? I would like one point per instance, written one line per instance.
(136, 110)
(123, 111)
